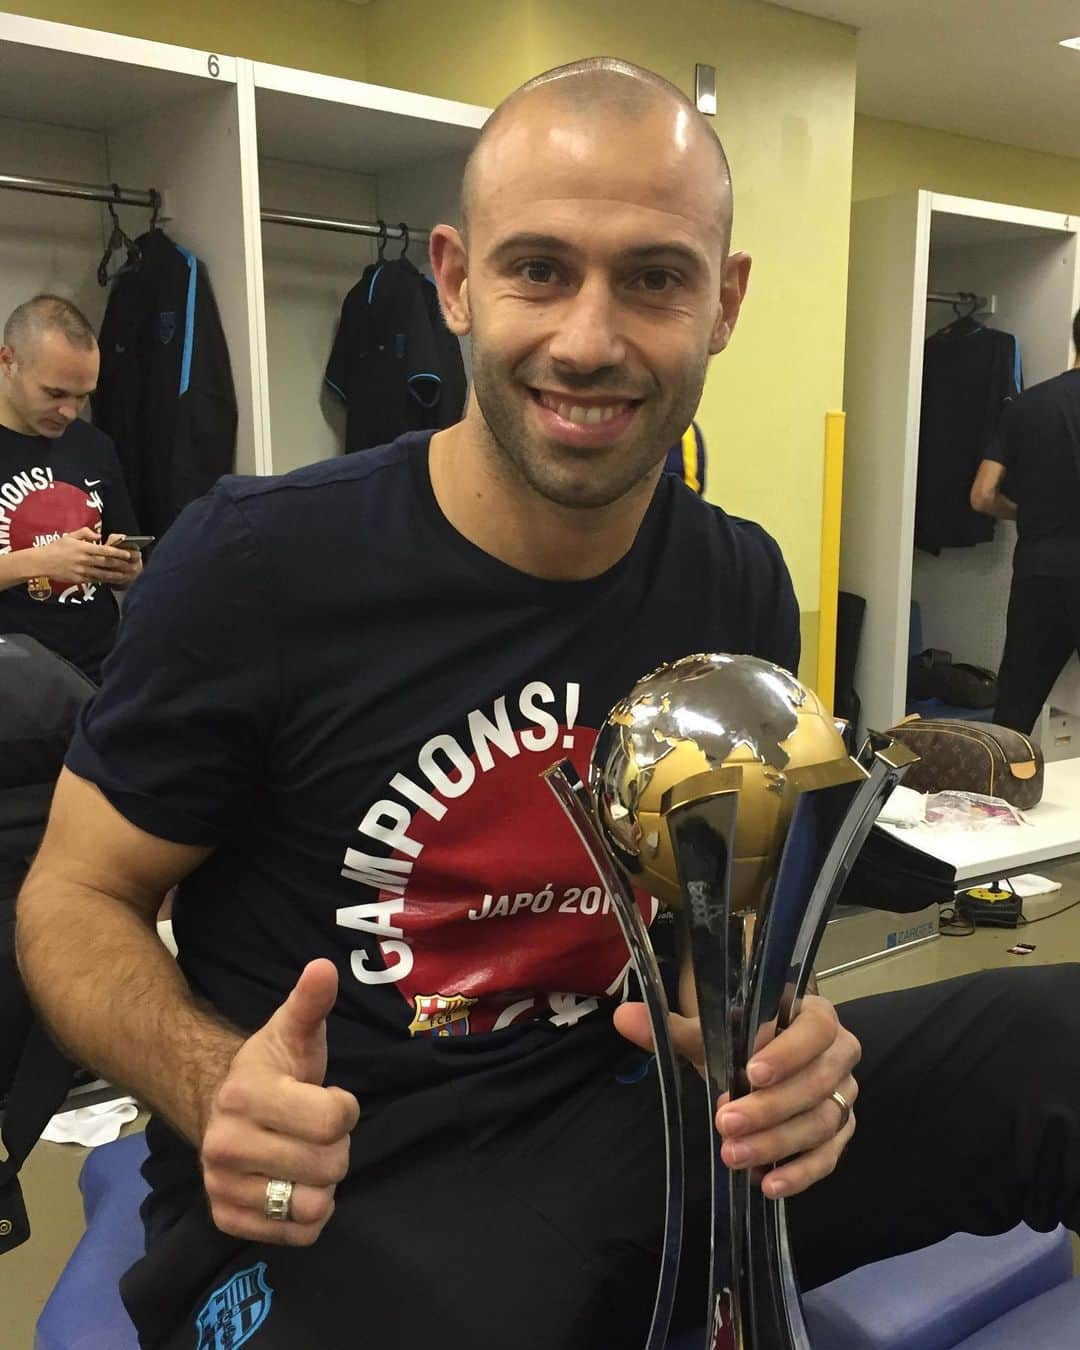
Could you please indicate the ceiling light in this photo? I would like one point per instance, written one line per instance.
(1074, 43)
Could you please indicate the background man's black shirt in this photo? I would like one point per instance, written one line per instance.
(1038, 442)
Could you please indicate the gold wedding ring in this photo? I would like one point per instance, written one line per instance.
(845, 1109)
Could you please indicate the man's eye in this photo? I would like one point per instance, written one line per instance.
(658, 279)
(538, 272)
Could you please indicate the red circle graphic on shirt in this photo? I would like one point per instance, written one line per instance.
(45, 513)
(503, 915)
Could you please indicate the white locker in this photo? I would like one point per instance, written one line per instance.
(339, 150)
(903, 249)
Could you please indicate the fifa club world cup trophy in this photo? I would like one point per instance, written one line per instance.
(722, 786)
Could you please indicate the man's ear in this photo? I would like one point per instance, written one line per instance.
(7, 360)
(732, 293)
(450, 268)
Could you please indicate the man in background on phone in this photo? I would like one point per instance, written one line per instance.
(63, 502)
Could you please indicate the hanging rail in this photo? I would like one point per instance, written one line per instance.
(367, 227)
(958, 298)
(51, 187)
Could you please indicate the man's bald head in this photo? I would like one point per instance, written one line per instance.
(599, 86)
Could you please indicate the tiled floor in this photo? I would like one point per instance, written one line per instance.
(28, 1274)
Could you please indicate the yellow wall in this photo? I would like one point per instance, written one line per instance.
(324, 35)
(894, 157)
(786, 85)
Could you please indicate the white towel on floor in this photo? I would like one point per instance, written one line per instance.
(1030, 884)
(91, 1125)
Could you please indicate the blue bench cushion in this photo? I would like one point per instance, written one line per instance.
(934, 1298)
(1049, 1322)
(84, 1311)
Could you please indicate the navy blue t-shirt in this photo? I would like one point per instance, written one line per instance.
(1038, 442)
(320, 677)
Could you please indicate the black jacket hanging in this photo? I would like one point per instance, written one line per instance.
(165, 394)
(969, 374)
(394, 362)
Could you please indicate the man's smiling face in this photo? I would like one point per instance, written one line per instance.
(598, 287)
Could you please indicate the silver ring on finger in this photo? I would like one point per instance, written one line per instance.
(278, 1200)
(845, 1109)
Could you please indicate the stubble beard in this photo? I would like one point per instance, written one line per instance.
(561, 475)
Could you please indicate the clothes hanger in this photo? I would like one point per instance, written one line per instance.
(383, 236)
(965, 307)
(117, 240)
(405, 238)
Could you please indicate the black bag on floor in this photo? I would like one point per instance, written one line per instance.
(934, 674)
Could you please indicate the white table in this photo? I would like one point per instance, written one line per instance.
(985, 855)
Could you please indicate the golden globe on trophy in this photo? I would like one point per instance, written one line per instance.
(722, 786)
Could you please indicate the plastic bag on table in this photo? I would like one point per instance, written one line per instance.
(970, 811)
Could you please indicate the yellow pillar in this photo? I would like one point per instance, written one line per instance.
(831, 498)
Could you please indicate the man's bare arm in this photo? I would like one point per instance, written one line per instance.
(90, 956)
(254, 1107)
(986, 495)
(15, 568)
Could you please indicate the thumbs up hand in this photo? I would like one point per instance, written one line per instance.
(272, 1119)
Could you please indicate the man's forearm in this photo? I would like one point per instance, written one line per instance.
(1001, 508)
(16, 568)
(116, 1000)
(995, 504)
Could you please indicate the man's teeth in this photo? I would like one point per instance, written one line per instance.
(574, 412)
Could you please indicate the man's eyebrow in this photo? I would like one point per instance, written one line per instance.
(525, 241)
(689, 256)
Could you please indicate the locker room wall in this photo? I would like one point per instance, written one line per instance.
(892, 157)
(49, 243)
(307, 274)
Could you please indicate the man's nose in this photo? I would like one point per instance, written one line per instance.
(68, 411)
(587, 336)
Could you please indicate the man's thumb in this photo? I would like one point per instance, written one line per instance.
(303, 1014)
(632, 1021)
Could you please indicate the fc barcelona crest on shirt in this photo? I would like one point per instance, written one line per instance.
(166, 326)
(235, 1312)
(441, 1015)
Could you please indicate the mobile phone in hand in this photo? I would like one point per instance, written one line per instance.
(137, 542)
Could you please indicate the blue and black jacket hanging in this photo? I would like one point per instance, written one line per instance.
(394, 362)
(165, 394)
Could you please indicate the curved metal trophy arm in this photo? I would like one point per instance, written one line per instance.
(574, 797)
(702, 832)
(888, 761)
(833, 815)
